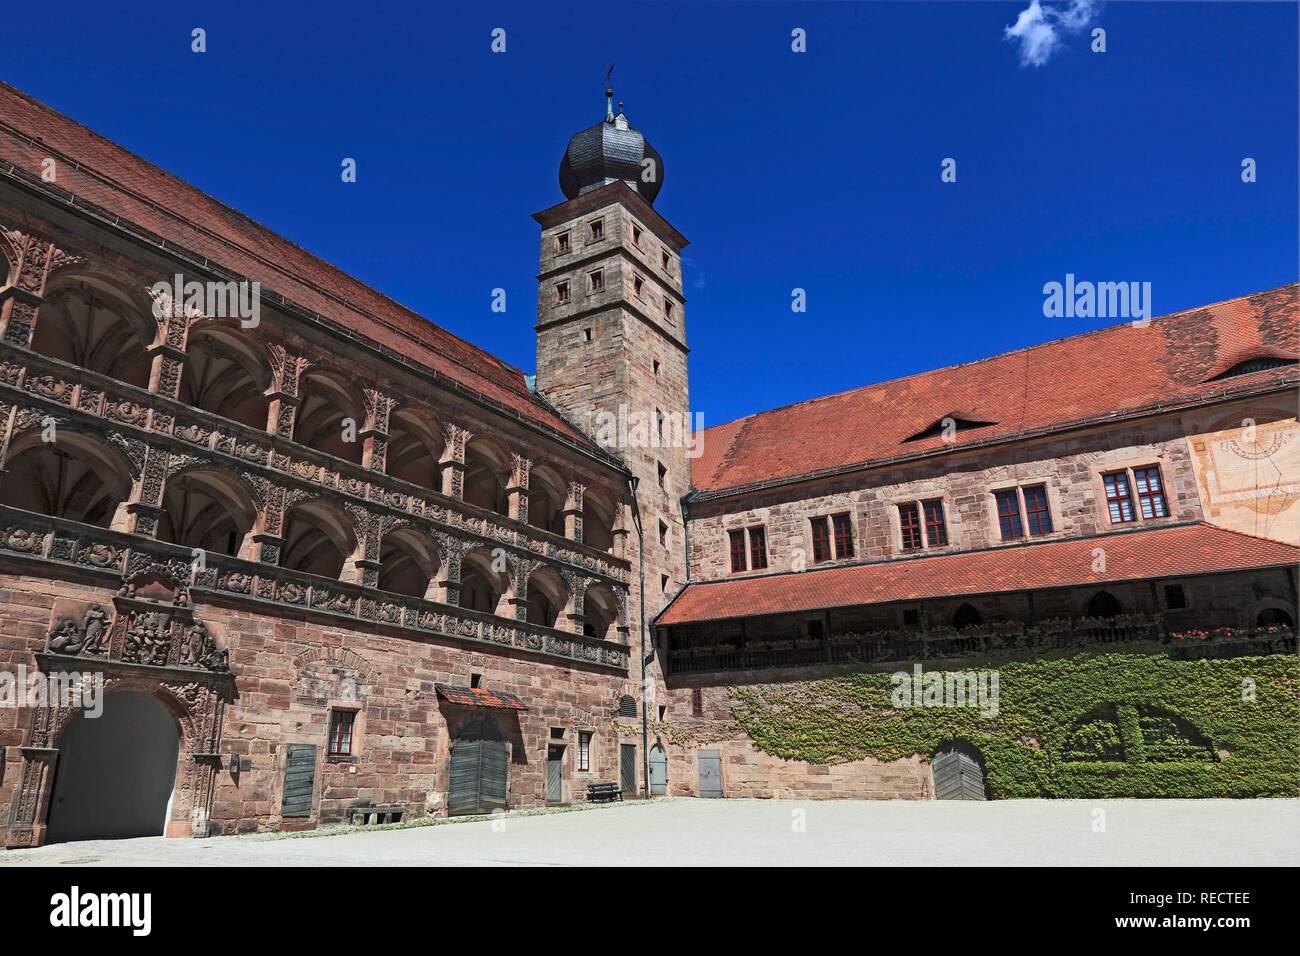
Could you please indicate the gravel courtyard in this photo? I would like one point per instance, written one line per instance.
(764, 833)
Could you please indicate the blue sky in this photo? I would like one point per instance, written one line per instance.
(817, 170)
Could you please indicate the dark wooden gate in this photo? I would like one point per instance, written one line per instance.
(710, 773)
(627, 767)
(958, 772)
(478, 777)
(299, 780)
(658, 772)
(554, 774)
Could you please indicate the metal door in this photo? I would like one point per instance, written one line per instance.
(658, 772)
(958, 773)
(554, 774)
(711, 773)
(627, 767)
(478, 777)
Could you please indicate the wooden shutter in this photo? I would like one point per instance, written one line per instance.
(627, 767)
(299, 780)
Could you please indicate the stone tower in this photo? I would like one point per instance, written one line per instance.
(611, 332)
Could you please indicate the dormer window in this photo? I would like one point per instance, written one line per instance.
(949, 426)
(1262, 363)
(562, 243)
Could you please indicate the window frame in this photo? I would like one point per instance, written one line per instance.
(584, 751)
(928, 508)
(1004, 517)
(1031, 513)
(337, 724)
(563, 293)
(1152, 495)
(910, 530)
(757, 548)
(596, 229)
(596, 281)
(563, 244)
(842, 535)
(738, 548)
(1115, 502)
(821, 542)
(753, 538)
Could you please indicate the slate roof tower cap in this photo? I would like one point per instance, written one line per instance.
(607, 152)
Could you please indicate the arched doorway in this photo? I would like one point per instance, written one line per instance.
(116, 772)
(658, 771)
(1104, 604)
(1274, 617)
(958, 772)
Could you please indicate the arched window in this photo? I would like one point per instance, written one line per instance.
(88, 323)
(486, 470)
(483, 586)
(547, 493)
(407, 563)
(547, 596)
(1104, 604)
(598, 520)
(414, 449)
(207, 509)
(967, 616)
(225, 374)
(318, 539)
(599, 612)
(1274, 617)
(76, 477)
(329, 417)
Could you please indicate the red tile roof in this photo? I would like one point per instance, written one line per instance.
(479, 697)
(99, 173)
(1135, 555)
(1098, 374)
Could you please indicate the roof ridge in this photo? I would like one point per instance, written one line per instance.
(1001, 355)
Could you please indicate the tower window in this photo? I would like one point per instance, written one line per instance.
(598, 280)
(668, 310)
(663, 532)
(638, 284)
(663, 583)
(561, 293)
(597, 230)
(586, 334)
(562, 243)
(663, 476)
(656, 368)
(668, 263)
(636, 236)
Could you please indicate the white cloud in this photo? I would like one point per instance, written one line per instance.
(1038, 29)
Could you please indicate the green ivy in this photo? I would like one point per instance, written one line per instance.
(1130, 722)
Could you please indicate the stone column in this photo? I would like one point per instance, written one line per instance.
(374, 433)
(517, 490)
(452, 463)
(283, 396)
(445, 586)
(572, 512)
(20, 303)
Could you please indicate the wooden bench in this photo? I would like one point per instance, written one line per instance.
(601, 792)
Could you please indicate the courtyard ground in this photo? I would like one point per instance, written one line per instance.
(689, 832)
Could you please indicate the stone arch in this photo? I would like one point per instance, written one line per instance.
(1271, 612)
(602, 613)
(599, 519)
(208, 508)
(78, 476)
(327, 402)
(415, 448)
(548, 597)
(484, 585)
(226, 372)
(547, 493)
(1103, 604)
(487, 472)
(967, 615)
(94, 322)
(408, 563)
(319, 538)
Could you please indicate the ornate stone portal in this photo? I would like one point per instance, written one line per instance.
(154, 645)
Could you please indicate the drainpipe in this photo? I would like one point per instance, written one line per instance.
(633, 482)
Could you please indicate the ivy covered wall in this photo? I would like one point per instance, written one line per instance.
(1120, 723)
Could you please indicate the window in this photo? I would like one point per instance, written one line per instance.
(910, 524)
(1261, 364)
(843, 535)
(597, 280)
(597, 230)
(659, 426)
(656, 368)
(821, 540)
(561, 292)
(1009, 514)
(697, 702)
(668, 263)
(1119, 500)
(911, 617)
(586, 334)
(1151, 492)
(663, 532)
(737, 538)
(562, 243)
(636, 236)
(1175, 597)
(557, 733)
(757, 549)
(668, 310)
(936, 529)
(663, 476)
(584, 750)
(1038, 516)
(475, 680)
(341, 732)
(637, 284)
(663, 584)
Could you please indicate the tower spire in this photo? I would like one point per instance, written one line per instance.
(609, 95)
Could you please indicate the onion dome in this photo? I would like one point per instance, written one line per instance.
(609, 151)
